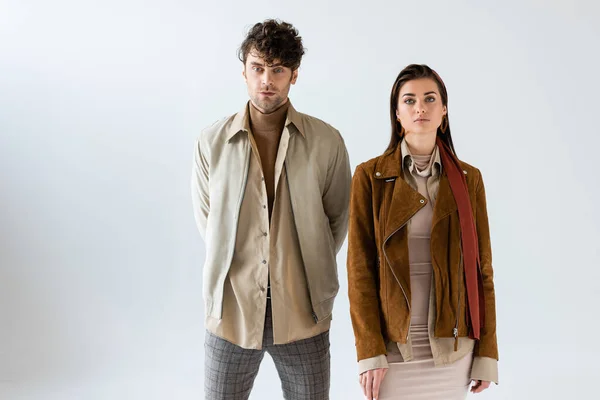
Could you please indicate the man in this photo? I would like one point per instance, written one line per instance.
(270, 189)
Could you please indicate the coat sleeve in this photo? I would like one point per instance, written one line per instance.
(363, 271)
(336, 195)
(487, 345)
(200, 187)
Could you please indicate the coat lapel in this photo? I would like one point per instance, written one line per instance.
(405, 200)
(405, 203)
(445, 203)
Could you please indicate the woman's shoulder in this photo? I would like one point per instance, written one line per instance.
(468, 167)
(473, 173)
(369, 165)
(387, 159)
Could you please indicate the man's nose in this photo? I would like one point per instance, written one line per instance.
(267, 79)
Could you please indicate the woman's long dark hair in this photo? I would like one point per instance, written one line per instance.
(415, 71)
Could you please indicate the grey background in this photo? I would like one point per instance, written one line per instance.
(100, 102)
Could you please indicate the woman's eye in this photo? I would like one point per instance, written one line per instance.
(409, 101)
(430, 99)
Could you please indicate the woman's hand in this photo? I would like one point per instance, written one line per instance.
(371, 381)
(479, 386)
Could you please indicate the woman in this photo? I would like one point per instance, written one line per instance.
(419, 257)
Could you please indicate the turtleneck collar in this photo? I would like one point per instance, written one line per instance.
(422, 164)
(268, 124)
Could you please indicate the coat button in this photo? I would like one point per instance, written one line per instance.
(377, 173)
(464, 172)
(422, 201)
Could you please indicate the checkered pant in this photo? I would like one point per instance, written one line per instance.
(303, 366)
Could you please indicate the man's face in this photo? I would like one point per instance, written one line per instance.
(268, 85)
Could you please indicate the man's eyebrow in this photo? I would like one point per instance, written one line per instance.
(256, 63)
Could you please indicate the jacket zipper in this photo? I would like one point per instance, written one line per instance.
(393, 273)
(455, 330)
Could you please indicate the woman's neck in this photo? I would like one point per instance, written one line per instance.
(420, 144)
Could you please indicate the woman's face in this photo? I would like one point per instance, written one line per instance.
(420, 109)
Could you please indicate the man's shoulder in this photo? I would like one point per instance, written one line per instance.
(314, 126)
(217, 129)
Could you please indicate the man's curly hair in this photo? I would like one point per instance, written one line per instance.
(273, 40)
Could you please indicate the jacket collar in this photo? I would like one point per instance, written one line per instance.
(405, 200)
(241, 121)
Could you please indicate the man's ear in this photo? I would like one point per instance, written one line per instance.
(294, 76)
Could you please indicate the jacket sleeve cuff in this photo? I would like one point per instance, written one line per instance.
(376, 362)
(485, 369)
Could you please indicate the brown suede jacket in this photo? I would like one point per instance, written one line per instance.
(381, 205)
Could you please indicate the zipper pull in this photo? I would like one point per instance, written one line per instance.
(455, 331)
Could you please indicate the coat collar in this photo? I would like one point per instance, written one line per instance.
(241, 121)
(405, 200)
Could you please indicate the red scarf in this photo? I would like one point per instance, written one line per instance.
(469, 240)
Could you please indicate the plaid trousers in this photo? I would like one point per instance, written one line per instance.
(303, 366)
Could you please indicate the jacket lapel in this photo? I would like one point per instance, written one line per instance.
(405, 200)
(405, 203)
(445, 203)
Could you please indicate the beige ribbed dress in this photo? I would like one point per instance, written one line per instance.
(419, 378)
